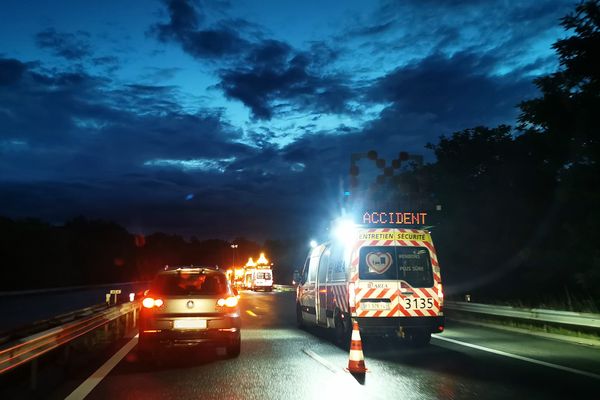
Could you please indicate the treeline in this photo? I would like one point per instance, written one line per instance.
(521, 206)
(35, 254)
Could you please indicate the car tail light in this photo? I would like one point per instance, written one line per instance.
(149, 302)
(231, 301)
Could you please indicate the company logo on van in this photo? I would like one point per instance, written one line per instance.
(378, 261)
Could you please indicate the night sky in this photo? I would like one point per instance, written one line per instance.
(225, 119)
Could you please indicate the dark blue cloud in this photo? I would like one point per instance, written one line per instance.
(183, 18)
(266, 75)
(11, 71)
(457, 91)
(204, 43)
(273, 73)
(71, 46)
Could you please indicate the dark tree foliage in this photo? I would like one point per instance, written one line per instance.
(35, 254)
(520, 209)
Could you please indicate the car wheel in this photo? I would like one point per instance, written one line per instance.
(144, 353)
(234, 349)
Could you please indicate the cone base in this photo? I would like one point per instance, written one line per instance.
(357, 371)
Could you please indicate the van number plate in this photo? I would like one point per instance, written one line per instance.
(367, 305)
(189, 324)
(417, 304)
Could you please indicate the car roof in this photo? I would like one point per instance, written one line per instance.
(191, 269)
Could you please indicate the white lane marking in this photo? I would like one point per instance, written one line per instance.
(320, 360)
(90, 383)
(354, 389)
(517, 357)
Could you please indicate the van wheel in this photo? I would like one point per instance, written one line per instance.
(343, 330)
(299, 319)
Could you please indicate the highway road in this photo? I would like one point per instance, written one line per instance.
(279, 361)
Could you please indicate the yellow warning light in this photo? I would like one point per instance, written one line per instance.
(262, 260)
(250, 263)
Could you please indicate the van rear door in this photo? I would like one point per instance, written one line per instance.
(397, 277)
(377, 287)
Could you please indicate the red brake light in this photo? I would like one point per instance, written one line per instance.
(149, 302)
(231, 301)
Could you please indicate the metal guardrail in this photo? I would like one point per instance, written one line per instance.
(30, 348)
(69, 288)
(536, 314)
(42, 325)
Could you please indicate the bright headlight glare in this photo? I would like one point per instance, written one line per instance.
(344, 231)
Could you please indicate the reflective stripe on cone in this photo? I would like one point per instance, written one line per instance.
(356, 361)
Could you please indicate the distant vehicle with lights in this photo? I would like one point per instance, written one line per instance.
(384, 273)
(259, 275)
(259, 279)
(188, 306)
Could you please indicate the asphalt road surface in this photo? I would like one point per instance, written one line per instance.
(279, 361)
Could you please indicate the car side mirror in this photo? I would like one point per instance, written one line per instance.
(296, 278)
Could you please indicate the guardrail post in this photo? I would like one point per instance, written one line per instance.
(118, 327)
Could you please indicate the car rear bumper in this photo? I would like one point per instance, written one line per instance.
(159, 332)
(170, 338)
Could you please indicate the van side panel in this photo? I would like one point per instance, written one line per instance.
(337, 297)
(307, 291)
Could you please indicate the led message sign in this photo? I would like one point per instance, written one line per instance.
(394, 236)
(394, 218)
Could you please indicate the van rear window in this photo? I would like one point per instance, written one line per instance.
(410, 264)
(185, 284)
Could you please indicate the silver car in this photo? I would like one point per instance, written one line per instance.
(189, 306)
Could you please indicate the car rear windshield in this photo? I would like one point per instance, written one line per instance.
(410, 264)
(263, 275)
(185, 284)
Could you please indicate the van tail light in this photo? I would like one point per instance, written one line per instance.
(230, 301)
(440, 293)
(149, 302)
(351, 295)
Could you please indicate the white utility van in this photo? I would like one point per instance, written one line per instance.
(259, 279)
(388, 279)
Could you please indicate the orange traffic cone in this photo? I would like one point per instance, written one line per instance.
(356, 362)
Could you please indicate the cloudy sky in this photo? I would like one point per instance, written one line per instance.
(227, 118)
